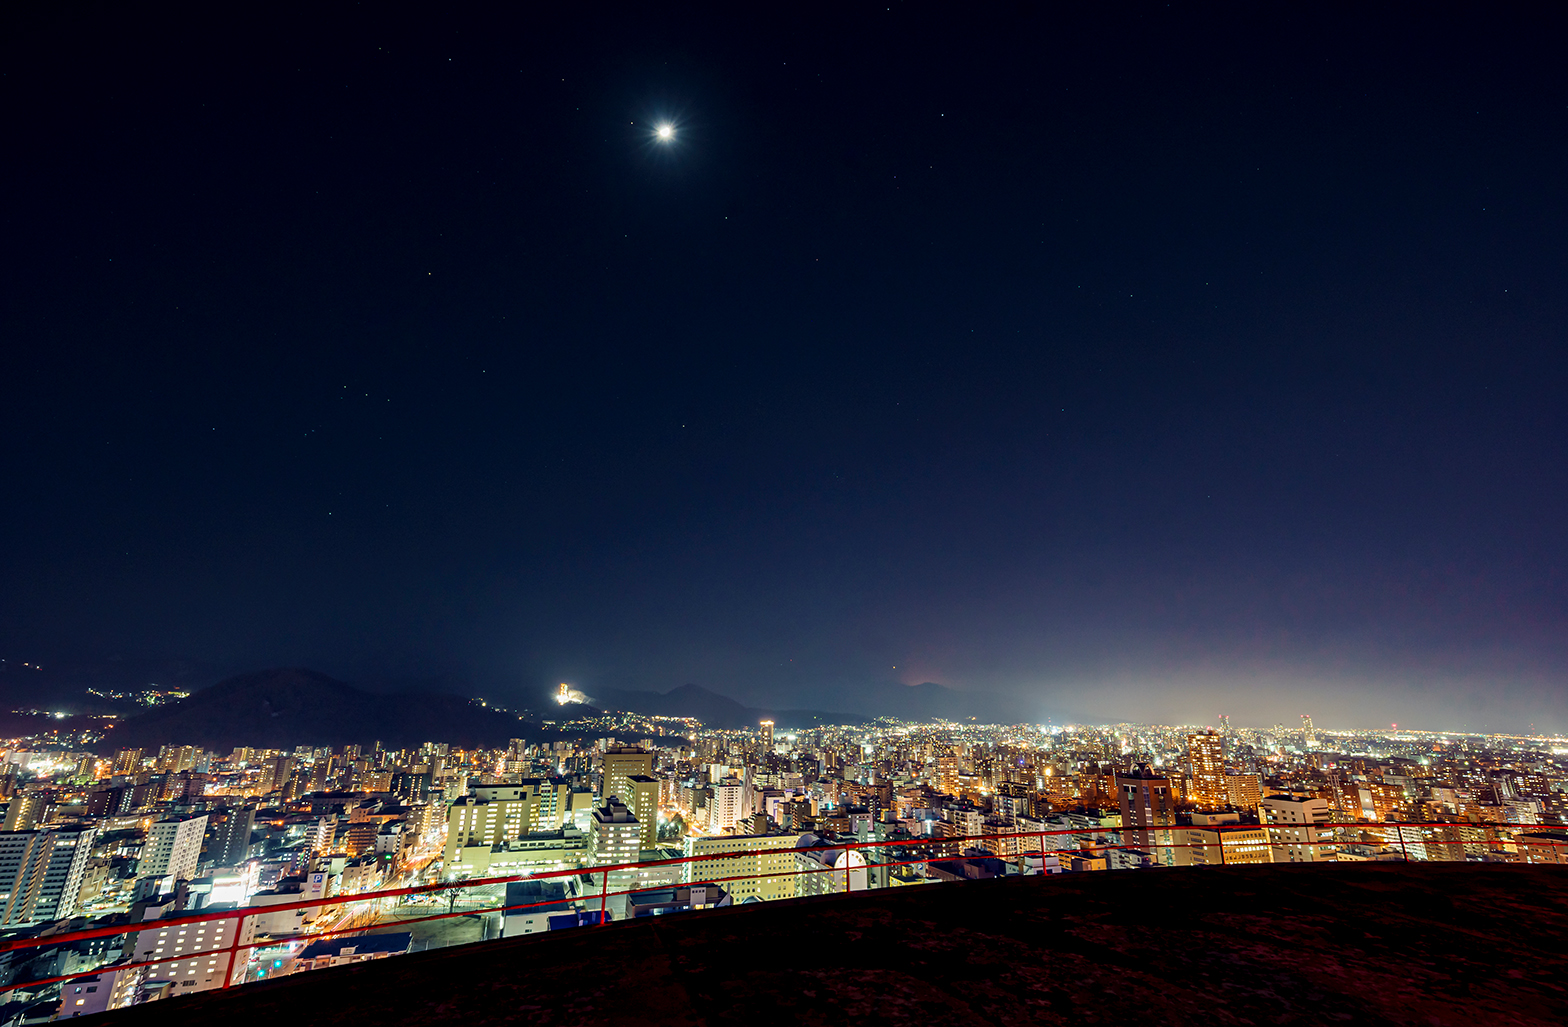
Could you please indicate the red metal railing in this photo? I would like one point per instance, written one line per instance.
(1317, 835)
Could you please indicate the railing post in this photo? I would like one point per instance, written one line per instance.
(604, 894)
(1402, 846)
(234, 946)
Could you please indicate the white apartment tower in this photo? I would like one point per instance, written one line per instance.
(41, 873)
(173, 848)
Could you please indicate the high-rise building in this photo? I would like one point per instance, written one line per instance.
(174, 758)
(621, 762)
(228, 835)
(126, 762)
(1225, 725)
(275, 773)
(1148, 813)
(173, 848)
(1309, 738)
(1206, 751)
(1293, 830)
(947, 771)
(106, 802)
(727, 805)
(41, 873)
(642, 799)
(319, 840)
(1243, 791)
(767, 736)
(25, 812)
(615, 838)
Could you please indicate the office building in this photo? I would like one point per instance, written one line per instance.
(620, 763)
(497, 814)
(727, 805)
(750, 866)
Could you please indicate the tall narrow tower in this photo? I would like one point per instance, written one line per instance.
(1309, 739)
(1206, 751)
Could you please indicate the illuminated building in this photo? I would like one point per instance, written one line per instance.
(319, 841)
(25, 812)
(1243, 791)
(1309, 738)
(642, 798)
(1206, 750)
(744, 864)
(1208, 845)
(767, 736)
(822, 869)
(947, 772)
(1292, 829)
(497, 814)
(174, 758)
(1544, 847)
(229, 833)
(1148, 813)
(192, 956)
(621, 763)
(41, 873)
(615, 838)
(727, 805)
(173, 848)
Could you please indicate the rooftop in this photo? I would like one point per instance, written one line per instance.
(1363, 943)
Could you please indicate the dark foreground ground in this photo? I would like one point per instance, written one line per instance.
(1335, 944)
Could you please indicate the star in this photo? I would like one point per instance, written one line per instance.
(664, 133)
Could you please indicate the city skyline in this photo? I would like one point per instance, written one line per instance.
(893, 513)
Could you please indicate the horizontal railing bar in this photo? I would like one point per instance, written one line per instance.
(341, 900)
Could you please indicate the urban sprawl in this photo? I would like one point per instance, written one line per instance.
(151, 874)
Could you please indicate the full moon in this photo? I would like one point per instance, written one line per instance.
(665, 133)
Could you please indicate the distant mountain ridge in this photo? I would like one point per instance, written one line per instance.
(285, 707)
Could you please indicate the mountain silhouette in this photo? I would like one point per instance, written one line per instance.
(286, 707)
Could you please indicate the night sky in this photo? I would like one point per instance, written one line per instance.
(1139, 364)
